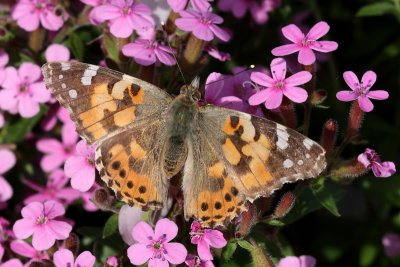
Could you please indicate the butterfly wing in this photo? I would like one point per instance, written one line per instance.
(124, 117)
(253, 156)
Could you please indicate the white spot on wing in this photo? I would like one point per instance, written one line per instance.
(60, 76)
(72, 93)
(307, 155)
(300, 162)
(65, 66)
(88, 74)
(287, 163)
(63, 86)
(308, 143)
(283, 137)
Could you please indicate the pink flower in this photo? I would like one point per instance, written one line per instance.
(179, 5)
(258, 9)
(57, 52)
(12, 263)
(3, 62)
(124, 16)
(305, 44)
(215, 53)
(154, 246)
(64, 258)
(391, 244)
(29, 13)
(371, 160)
(128, 217)
(24, 249)
(292, 261)
(361, 91)
(194, 261)
(22, 91)
(204, 238)
(94, 19)
(278, 85)
(56, 153)
(112, 261)
(39, 221)
(80, 167)
(149, 51)
(55, 189)
(202, 24)
(7, 159)
(55, 112)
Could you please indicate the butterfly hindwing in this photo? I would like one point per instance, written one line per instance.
(101, 101)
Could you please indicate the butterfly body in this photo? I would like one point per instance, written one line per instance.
(144, 137)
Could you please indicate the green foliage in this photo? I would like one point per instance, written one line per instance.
(111, 226)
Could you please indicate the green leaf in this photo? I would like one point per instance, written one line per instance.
(77, 46)
(368, 254)
(376, 9)
(229, 250)
(325, 195)
(245, 244)
(275, 223)
(17, 130)
(111, 47)
(111, 225)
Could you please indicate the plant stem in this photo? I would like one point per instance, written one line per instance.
(310, 87)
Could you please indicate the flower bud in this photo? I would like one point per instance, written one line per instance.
(72, 243)
(355, 120)
(347, 171)
(260, 257)
(329, 134)
(248, 220)
(284, 206)
(193, 51)
(288, 113)
(318, 97)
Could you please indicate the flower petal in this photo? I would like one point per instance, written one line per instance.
(351, 79)
(261, 97)
(292, 33)
(63, 257)
(262, 79)
(142, 232)
(57, 52)
(83, 180)
(158, 262)
(298, 78)
(278, 69)
(120, 27)
(318, 30)
(176, 253)
(346, 96)
(274, 100)
(27, 107)
(128, 217)
(43, 238)
(384, 169)
(107, 12)
(22, 248)
(215, 238)
(289, 261)
(7, 159)
(32, 211)
(85, 259)
(165, 57)
(203, 32)
(365, 104)
(51, 21)
(391, 244)
(139, 253)
(59, 230)
(307, 261)
(369, 78)
(23, 228)
(165, 228)
(306, 56)
(296, 94)
(203, 249)
(53, 209)
(29, 72)
(378, 94)
(220, 33)
(29, 22)
(284, 50)
(324, 46)
(39, 92)
(6, 190)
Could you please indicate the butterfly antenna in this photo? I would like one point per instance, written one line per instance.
(173, 54)
(226, 78)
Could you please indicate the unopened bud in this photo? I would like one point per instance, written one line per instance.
(329, 134)
(248, 220)
(318, 97)
(192, 53)
(347, 171)
(103, 200)
(112, 261)
(260, 257)
(42, 263)
(355, 120)
(72, 243)
(285, 205)
(288, 114)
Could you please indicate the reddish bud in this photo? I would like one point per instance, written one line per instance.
(347, 171)
(248, 219)
(72, 243)
(355, 120)
(329, 134)
(285, 204)
(103, 200)
(318, 97)
(288, 114)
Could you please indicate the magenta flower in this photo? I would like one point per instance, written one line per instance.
(55, 112)
(124, 16)
(57, 52)
(23, 91)
(258, 9)
(56, 153)
(215, 53)
(194, 261)
(30, 13)
(179, 5)
(128, 217)
(3, 62)
(371, 160)
(39, 221)
(92, 15)
(64, 258)
(55, 189)
(112, 261)
(292, 261)
(24, 249)
(154, 246)
(204, 238)
(203, 25)
(80, 167)
(305, 44)
(278, 86)
(361, 91)
(7, 159)
(149, 51)
(391, 244)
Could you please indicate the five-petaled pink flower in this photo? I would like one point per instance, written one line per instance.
(65, 258)
(80, 167)
(7, 159)
(23, 90)
(305, 44)
(361, 91)
(391, 244)
(56, 153)
(57, 52)
(259, 9)
(39, 221)
(293, 261)
(30, 13)
(202, 24)
(179, 5)
(204, 238)
(149, 51)
(278, 85)
(124, 16)
(154, 246)
(371, 160)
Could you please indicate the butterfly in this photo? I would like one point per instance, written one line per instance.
(144, 137)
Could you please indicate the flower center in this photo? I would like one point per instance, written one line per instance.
(126, 10)
(158, 247)
(41, 220)
(279, 85)
(305, 42)
(23, 88)
(39, 6)
(205, 20)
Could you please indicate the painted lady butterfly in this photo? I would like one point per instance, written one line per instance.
(144, 137)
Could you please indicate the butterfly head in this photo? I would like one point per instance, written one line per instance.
(191, 91)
